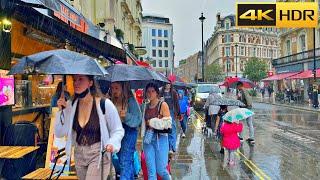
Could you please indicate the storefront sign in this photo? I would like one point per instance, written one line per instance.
(71, 16)
(66, 15)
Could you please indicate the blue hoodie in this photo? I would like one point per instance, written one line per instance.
(183, 102)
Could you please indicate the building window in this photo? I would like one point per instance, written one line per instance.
(227, 38)
(159, 33)
(166, 63)
(254, 52)
(165, 33)
(153, 32)
(165, 43)
(154, 53)
(288, 45)
(227, 51)
(302, 41)
(241, 65)
(159, 43)
(154, 43)
(166, 54)
(160, 53)
(160, 63)
(228, 65)
(242, 51)
(154, 63)
(227, 24)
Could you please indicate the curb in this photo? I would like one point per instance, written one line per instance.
(292, 107)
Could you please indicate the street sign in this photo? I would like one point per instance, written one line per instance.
(140, 52)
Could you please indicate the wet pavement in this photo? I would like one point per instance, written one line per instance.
(287, 147)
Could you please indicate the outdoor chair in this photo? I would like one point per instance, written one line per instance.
(20, 134)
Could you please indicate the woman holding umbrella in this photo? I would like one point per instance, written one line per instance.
(87, 127)
(130, 115)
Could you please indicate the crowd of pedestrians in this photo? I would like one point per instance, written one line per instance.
(94, 122)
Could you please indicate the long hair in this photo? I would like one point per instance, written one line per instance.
(59, 89)
(94, 89)
(125, 95)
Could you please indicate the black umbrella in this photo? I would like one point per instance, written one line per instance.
(60, 61)
(226, 102)
(137, 76)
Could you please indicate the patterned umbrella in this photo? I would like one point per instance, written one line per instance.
(237, 115)
(226, 102)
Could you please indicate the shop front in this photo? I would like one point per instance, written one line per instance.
(36, 26)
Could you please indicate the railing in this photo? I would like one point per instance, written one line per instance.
(296, 57)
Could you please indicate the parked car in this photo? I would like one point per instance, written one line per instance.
(202, 93)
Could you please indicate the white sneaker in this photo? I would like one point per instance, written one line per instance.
(183, 135)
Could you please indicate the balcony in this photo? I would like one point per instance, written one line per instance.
(295, 58)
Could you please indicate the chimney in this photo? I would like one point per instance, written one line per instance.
(218, 17)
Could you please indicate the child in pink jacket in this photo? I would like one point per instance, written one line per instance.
(230, 139)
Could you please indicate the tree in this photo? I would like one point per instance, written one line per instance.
(255, 69)
(213, 73)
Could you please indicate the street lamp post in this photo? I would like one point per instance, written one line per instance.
(315, 86)
(202, 18)
(236, 60)
(227, 65)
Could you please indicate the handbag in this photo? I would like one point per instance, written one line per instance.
(169, 130)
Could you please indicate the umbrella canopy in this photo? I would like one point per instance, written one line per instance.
(226, 101)
(60, 61)
(137, 76)
(237, 114)
(232, 82)
(174, 78)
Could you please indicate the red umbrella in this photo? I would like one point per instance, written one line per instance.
(173, 78)
(232, 82)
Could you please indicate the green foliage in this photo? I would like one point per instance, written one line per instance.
(213, 73)
(255, 69)
(252, 92)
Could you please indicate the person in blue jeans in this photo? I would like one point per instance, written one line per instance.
(130, 114)
(155, 144)
(171, 97)
(183, 103)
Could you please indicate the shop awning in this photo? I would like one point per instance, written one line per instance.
(305, 75)
(60, 20)
(280, 76)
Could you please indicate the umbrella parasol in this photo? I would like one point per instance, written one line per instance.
(231, 82)
(238, 114)
(227, 102)
(60, 61)
(138, 77)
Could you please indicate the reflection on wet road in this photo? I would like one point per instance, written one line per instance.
(287, 147)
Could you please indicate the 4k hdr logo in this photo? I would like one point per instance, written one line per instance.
(282, 14)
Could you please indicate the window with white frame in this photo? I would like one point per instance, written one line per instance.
(288, 47)
(154, 43)
(227, 24)
(242, 51)
(227, 51)
(302, 42)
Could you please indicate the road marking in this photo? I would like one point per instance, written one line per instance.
(256, 169)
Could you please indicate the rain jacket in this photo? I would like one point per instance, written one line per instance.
(246, 99)
(133, 116)
(183, 103)
(229, 131)
(111, 128)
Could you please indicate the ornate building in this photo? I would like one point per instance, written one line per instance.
(232, 47)
(121, 18)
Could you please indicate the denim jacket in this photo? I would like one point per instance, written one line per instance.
(133, 117)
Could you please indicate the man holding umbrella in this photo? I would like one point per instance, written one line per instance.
(245, 97)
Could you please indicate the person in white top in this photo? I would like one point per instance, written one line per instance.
(91, 124)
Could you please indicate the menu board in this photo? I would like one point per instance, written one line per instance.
(6, 88)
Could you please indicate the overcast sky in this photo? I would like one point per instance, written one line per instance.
(184, 15)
